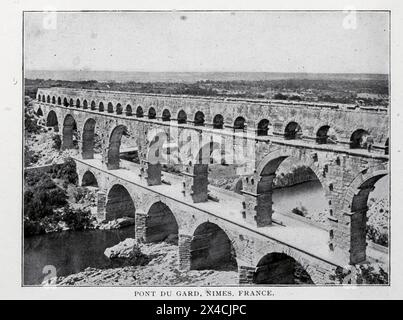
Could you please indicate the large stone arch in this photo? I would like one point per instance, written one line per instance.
(355, 208)
(182, 117)
(160, 224)
(211, 248)
(119, 203)
(114, 147)
(88, 139)
(282, 268)
(52, 121)
(69, 129)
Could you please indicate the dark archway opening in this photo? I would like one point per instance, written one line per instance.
(119, 203)
(199, 119)
(218, 122)
(182, 117)
(93, 105)
(48, 99)
(71, 103)
(139, 112)
(65, 103)
(59, 101)
(53, 100)
(85, 104)
(279, 268)
(322, 135)
(78, 103)
(387, 146)
(89, 180)
(119, 109)
(70, 140)
(129, 111)
(239, 124)
(263, 127)
(88, 139)
(166, 115)
(114, 147)
(51, 121)
(101, 107)
(211, 249)
(151, 113)
(161, 224)
(359, 139)
(110, 107)
(39, 113)
(293, 131)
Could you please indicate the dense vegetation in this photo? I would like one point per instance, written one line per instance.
(363, 91)
(46, 204)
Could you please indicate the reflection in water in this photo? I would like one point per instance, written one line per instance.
(69, 252)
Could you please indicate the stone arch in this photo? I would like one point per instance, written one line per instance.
(358, 139)
(355, 206)
(78, 103)
(119, 203)
(59, 101)
(53, 100)
(39, 98)
(51, 120)
(93, 105)
(199, 119)
(65, 102)
(263, 127)
(211, 248)
(239, 124)
(166, 115)
(69, 129)
(280, 268)
(114, 146)
(85, 104)
(48, 99)
(43, 98)
(110, 107)
(89, 180)
(139, 112)
(129, 110)
(88, 139)
(71, 103)
(101, 107)
(218, 121)
(292, 131)
(151, 113)
(39, 112)
(119, 109)
(161, 224)
(182, 117)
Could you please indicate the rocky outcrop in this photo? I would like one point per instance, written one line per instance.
(116, 224)
(127, 251)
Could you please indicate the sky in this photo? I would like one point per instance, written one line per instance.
(317, 42)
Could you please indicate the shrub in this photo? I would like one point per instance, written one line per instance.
(76, 219)
(377, 237)
(66, 171)
(57, 142)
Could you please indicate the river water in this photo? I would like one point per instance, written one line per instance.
(72, 252)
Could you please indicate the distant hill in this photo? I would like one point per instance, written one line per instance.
(190, 77)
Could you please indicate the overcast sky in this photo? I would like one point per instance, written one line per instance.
(183, 41)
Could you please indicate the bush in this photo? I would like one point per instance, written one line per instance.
(364, 274)
(379, 238)
(76, 219)
(57, 142)
(66, 171)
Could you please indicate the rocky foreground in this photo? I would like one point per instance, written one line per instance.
(161, 269)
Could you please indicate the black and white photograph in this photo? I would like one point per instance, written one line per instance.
(203, 153)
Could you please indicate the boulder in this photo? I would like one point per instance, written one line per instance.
(127, 250)
(118, 223)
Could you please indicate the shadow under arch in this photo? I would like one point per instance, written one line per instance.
(119, 203)
(89, 180)
(161, 224)
(69, 131)
(88, 139)
(51, 120)
(280, 268)
(211, 248)
(115, 140)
